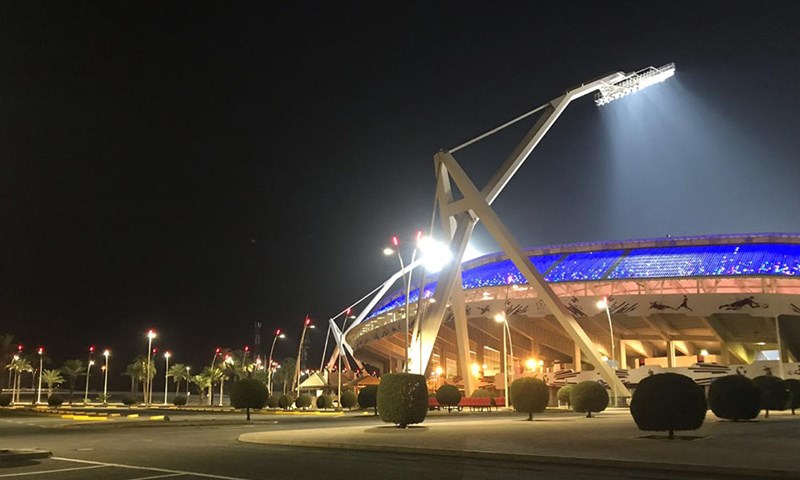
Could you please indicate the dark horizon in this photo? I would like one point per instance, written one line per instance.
(194, 169)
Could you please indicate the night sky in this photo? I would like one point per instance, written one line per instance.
(193, 167)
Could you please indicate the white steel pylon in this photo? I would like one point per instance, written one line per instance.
(459, 218)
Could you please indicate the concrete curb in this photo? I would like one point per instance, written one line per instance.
(22, 454)
(541, 459)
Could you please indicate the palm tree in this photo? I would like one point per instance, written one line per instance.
(18, 365)
(202, 381)
(7, 350)
(214, 376)
(179, 373)
(136, 371)
(72, 369)
(52, 378)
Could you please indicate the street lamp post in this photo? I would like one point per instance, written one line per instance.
(507, 348)
(106, 353)
(39, 389)
(88, 372)
(166, 375)
(228, 360)
(341, 353)
(278, 335)
(306, 326)
(407, 279)
(603, 305)
(148, 380)
(188, 376)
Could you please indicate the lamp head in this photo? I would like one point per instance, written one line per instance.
(602, 304)
(388, 251)
(151, 334)
(167, 354)
(500, 318)
(106, 352)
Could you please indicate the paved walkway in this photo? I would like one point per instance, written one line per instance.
(764, 448)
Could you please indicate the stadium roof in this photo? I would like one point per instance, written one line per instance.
(767, 254)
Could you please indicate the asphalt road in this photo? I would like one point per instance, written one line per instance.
(171, 450)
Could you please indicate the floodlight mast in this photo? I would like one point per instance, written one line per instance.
(633, 82)
(459, 217)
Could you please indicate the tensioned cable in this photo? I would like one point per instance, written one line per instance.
(497, 129)
(325, 349)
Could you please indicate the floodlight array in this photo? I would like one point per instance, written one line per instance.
(633, 82)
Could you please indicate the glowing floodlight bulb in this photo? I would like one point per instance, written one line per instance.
(633, 82)
(435, 255)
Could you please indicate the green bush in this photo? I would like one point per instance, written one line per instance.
(55, 400)
(303, 402)
(5, 400)
(368, 397)
(348, 400)
(179, 400)
(272, 400)
(324, 401)
(129, 400)
(403, 399)
(285, 401)
(448, 396)
(668, 402)
(249, 393)
(529, 395)
(794, 393)
(774, 393)
(103, 398)
(563, 395)
(589, 397)
(734, 397)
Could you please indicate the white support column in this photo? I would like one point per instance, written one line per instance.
(576, 358)
(781, 357)
(670, 354)
(623, 355)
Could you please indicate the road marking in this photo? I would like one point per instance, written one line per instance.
(159, 476)
(155, 469)
(43, 472)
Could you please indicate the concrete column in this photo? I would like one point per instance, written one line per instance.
(781, 349)
(724, 353)
(576, 359)
(623, 356)
(670, 354)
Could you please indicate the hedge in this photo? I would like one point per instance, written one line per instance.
(793, 385)
(448, 396)
(403, 399)
(529, 395)
(324, 402)
(179, 400)
(5, 400)
(272, 400)
(734, 397)
(302, 402)
(368, 397)
(285, 401)
(774, 393)
(589, 397)
(668, 402)
(563, 395)
(129, 400)
(55, 400)
(348, 400)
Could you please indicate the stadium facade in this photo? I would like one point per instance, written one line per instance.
(704, 306)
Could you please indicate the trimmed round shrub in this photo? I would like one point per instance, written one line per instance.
(774, 393)
(589, 397)
(129, 400)
(348, 400)
(179, 400)
(285, 401)
(668, 402)
(403, 399)
(324, 401)
(249, 393)
(303, 401)
(272, 400)
(368, 397)
(793, 385)
(448, 396)
(5, 400)
(529, 395)
(563, 395)
(55, 400)
(734, 397)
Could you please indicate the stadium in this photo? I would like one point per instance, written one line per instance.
(703, 306)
